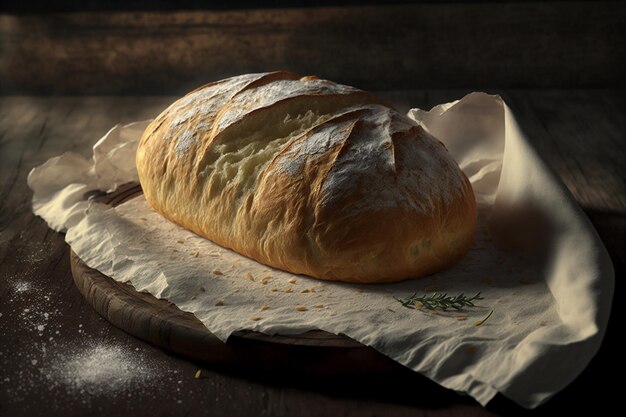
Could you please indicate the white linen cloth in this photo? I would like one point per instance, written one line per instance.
(550, 290)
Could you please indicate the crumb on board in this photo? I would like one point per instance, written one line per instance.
(219, 303)
(265, 279)
(255, 318)
(461, 318)
(217, 272)
(305, 290)
(195, 254)
(264, 307)
(274, 289)
(180, 241)
(198, 374)
(318, 306)
(202, 289)
(194, 297)
(249, 276)
(392, 310)
(301, 308)
(292, 281)
(288, 289)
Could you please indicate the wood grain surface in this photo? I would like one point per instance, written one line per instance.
(429, 44)
(46, 324)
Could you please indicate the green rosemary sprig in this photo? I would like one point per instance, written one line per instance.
(438, 301)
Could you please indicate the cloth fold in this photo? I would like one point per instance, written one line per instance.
(537, 262)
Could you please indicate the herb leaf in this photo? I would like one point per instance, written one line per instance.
(438, 301)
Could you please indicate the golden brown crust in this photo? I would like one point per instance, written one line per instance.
(308, 176)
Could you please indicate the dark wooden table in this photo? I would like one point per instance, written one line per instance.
(47, 329)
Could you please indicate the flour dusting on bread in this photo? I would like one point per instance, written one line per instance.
(308, 176)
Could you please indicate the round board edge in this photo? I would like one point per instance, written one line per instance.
(161, 323)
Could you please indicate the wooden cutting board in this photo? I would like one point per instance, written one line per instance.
(161, 323)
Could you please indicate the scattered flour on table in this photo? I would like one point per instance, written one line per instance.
(21, 286)
(100, 368)
(76, 371)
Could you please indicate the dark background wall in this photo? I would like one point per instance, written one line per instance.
(160, 47)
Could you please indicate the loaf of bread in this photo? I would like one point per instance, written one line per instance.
(308, 176)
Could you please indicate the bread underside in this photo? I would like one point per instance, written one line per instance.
(308, 176)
